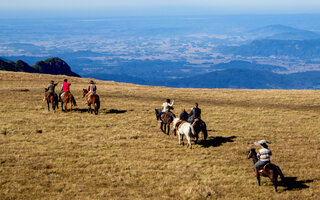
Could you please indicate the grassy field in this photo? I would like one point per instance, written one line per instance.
(124, 155)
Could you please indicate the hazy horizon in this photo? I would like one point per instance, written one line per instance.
(99, 8)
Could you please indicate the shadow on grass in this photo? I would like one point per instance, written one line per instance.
(291, 183)
(216, 141)
(101, 111)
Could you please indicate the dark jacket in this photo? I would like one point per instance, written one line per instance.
(184, 116)
(51, 87)
(195, 113)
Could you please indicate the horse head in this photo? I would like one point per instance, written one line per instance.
(84, 92)
(252, 153)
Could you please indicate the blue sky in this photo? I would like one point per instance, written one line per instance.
(162, 7)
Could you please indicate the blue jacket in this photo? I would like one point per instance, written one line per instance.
(184, 116)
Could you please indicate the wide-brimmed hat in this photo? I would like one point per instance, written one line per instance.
(261, 142)
(91, 82)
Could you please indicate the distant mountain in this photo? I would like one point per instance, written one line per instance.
(49, 66)
(250, 79)
(281, 32)
(304, 49)
(54, 66)
(239, 64)
(18, 66)
(4, 59)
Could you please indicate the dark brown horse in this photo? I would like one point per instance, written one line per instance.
(51, 98)
(199, 125)
(93, 100)
(269, 170)
(166, 120)
(67, 98)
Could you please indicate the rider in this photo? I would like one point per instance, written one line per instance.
(50, 89)
(184, 115)
(263, 155)
(91, 90)
(166, 107)
(195, 113)
(64, 88)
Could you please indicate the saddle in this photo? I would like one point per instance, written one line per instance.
(179, 123)
(263, 168)
(193, 122)
(164, 114)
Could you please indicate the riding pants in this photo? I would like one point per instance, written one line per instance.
(260, 164)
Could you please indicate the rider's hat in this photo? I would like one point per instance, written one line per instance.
(65, 80)
(52, 81)
(91, 82)
(168, 100)
(262, 143)
(182, 109)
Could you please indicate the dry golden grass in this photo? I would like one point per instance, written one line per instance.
(125, 156)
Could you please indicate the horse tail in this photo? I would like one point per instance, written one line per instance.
(97, 101)
(280, 172)
(73, 101)
(204, 130)
(192, 131)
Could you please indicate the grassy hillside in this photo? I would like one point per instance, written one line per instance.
(125, 156)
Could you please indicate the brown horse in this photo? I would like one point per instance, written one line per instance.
(269, 170)
(166, 120)
(51, 98)
(94, 101)
(199, 125)
(67, 98)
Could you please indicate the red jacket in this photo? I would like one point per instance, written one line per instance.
(66, 87)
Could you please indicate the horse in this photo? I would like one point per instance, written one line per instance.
(51, 98)
(166, 120)
(94, 101)
(68, 98)
(269, 170)
(186, 129)
(198, 126)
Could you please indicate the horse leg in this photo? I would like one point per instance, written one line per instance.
(258, 178)
(168, 129)
(70, 105)
(179, 139)
(53, 106)
(161, 126)
(165, 128)
(182, 139)
(48, 105)
(274, 178)
(189, 140)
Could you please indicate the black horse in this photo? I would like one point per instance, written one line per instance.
(269, 170)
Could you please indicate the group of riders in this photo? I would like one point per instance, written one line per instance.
(195, 113)
(65, 89)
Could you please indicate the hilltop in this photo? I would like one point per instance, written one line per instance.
(124, 155)
(49, 66)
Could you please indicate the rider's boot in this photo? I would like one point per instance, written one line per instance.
(255, 173)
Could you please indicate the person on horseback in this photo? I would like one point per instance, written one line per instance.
(184, 115)
(65, 88)
(50, 90)
(195, 113)
(166, 107)
(92, 88)
(263, 155)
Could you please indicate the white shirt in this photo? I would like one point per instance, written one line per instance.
(264, 154)
(166, 106)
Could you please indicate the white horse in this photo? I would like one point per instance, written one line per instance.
(184, 129)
